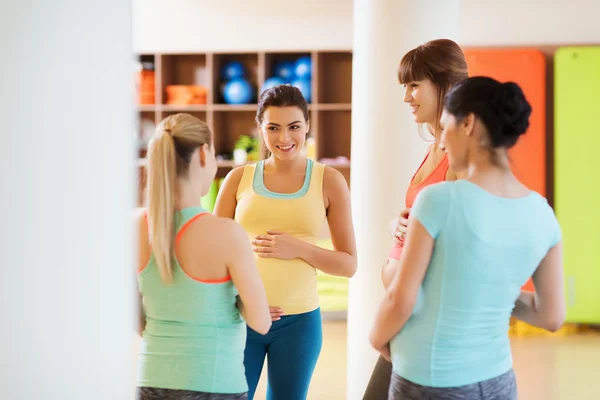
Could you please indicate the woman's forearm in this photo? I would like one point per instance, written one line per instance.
(331, 262)
(525, 309)
(389, 320)
(388, 271)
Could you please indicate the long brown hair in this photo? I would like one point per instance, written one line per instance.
(441, 61)
(169, 155)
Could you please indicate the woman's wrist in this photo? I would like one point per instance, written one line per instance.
(305, 250)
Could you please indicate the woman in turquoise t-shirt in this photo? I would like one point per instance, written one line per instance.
(472, 244)
(192, 268)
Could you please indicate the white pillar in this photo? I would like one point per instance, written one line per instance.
(386, 149)
(67, 179)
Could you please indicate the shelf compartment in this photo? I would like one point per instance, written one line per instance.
(250, 64)
(185, 79)
(334, 134)
(335, 77)
(229, 126)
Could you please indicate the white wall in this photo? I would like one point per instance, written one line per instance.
(529, 22)
(202, 25)
(241, 25)
(67, 176)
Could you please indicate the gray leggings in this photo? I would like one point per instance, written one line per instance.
(147, 393)
(503, 387)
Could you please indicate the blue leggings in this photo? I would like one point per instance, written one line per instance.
(292, 347)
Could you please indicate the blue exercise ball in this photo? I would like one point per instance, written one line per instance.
(233, 70)
(237, 91)
(303, 68)
(285, 70)
(304, 86)
(272, 81)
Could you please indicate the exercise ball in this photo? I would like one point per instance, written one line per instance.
(304, 86)
(237, 91)
(233, 70)
(303, 68)
(272, 81)
(285, 70)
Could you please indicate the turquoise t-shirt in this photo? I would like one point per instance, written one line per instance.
(486, 248)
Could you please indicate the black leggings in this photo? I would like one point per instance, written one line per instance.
(147, 393)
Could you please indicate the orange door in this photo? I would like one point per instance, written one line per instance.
(527, 68)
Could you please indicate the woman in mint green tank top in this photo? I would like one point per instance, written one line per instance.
(197, 277)
(471, 245)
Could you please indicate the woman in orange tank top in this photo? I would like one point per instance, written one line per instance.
(427, 73)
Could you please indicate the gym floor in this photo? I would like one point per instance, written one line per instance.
(547, 368)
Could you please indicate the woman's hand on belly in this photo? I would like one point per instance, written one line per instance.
(275, 244)
(386, 352)
(399, 225)
(276, 313)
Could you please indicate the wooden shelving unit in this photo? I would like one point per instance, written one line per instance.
(330, 106)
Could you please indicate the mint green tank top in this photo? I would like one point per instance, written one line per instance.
(195, 336)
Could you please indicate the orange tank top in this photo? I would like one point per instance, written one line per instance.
(437, 175)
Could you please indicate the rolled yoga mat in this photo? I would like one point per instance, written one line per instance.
(576, 179)
(527, 68)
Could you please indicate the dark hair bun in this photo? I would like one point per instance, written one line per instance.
(502, 107)
(512, 109)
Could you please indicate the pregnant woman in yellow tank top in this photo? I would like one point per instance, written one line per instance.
(283, 202)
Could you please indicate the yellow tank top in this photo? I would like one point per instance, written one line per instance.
(290, 284)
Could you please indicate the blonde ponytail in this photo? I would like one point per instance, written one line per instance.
(169, 155)
(161, 201)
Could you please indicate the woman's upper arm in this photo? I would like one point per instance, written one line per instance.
(244, 274)
(339, 211)
(549, 286)
(242, 264)
(143, 257)
(414, 262)
(427, 219)
(226, 199)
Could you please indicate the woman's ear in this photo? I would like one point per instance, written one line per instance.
(259, 133)
(202, 154)
(468, 124)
